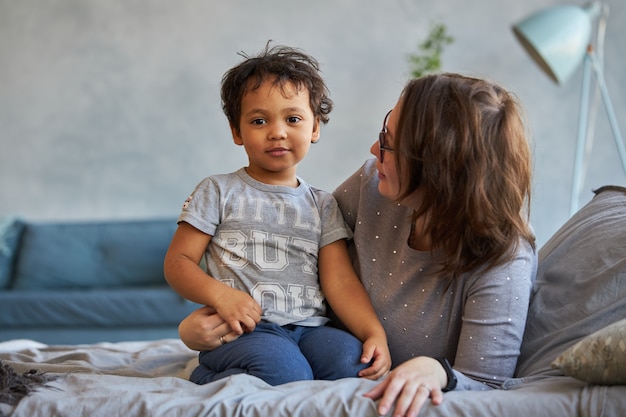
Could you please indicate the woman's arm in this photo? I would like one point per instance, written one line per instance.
(494, 317)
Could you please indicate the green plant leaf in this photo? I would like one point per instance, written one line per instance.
(429, 58)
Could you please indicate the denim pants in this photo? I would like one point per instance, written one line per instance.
(282, 354)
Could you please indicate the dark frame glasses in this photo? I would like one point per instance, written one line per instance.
(381, 139)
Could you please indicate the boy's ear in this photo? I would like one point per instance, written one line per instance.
(236, 135)
(315, 136)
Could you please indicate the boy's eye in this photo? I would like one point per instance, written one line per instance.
(293, 119)
(258, 121)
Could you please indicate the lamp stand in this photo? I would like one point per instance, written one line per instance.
(591, 62)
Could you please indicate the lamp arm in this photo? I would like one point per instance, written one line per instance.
(583, 117)
(591, 62)
(619, 142)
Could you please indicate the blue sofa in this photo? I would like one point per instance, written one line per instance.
(87, 282)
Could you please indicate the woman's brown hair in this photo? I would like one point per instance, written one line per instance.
(462, 143)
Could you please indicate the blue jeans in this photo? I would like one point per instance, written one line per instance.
(282, 354)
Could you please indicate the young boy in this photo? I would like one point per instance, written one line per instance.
(275, 246)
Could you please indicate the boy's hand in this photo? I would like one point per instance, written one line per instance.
(375, 350)
(239, 310)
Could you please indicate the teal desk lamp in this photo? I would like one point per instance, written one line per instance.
(559, 39)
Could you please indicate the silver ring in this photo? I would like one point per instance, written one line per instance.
(429, 389)
(222, 341)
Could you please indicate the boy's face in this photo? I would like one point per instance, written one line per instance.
(276, 129)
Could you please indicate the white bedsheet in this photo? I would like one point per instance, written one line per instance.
(141, 379)
(150, 379)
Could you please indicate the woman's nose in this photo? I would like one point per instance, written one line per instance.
(375, 150)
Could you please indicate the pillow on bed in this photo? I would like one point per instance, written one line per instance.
(600, 358)
(580, 286)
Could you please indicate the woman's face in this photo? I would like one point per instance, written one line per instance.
(388, 184)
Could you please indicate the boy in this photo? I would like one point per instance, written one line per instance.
(275, 246)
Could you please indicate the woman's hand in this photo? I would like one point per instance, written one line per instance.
(409, 386)
(204, 329)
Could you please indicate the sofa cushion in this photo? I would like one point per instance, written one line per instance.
(10, 232)
(106, 307)
(599, 358)
(93, 255)
(581, 282)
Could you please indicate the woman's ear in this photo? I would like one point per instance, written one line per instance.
(315, 136)
(236, 133)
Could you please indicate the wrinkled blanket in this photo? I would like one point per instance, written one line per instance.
(149, 379)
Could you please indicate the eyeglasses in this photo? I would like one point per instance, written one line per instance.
(381, 139)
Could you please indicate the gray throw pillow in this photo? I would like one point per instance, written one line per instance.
(580, 286)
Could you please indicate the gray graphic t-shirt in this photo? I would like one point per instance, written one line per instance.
(266, 240)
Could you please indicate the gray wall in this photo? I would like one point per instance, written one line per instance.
(110, 109)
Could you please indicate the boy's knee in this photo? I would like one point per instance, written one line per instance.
(276, 361)
(278, 373)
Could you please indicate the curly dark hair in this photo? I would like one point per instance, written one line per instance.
(462, 142)
(283, 64)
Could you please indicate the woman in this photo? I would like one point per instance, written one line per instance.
(441, 240)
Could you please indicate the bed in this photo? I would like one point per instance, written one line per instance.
(573, 360)
(150, 379)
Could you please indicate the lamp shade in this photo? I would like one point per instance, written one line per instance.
(557, 38)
